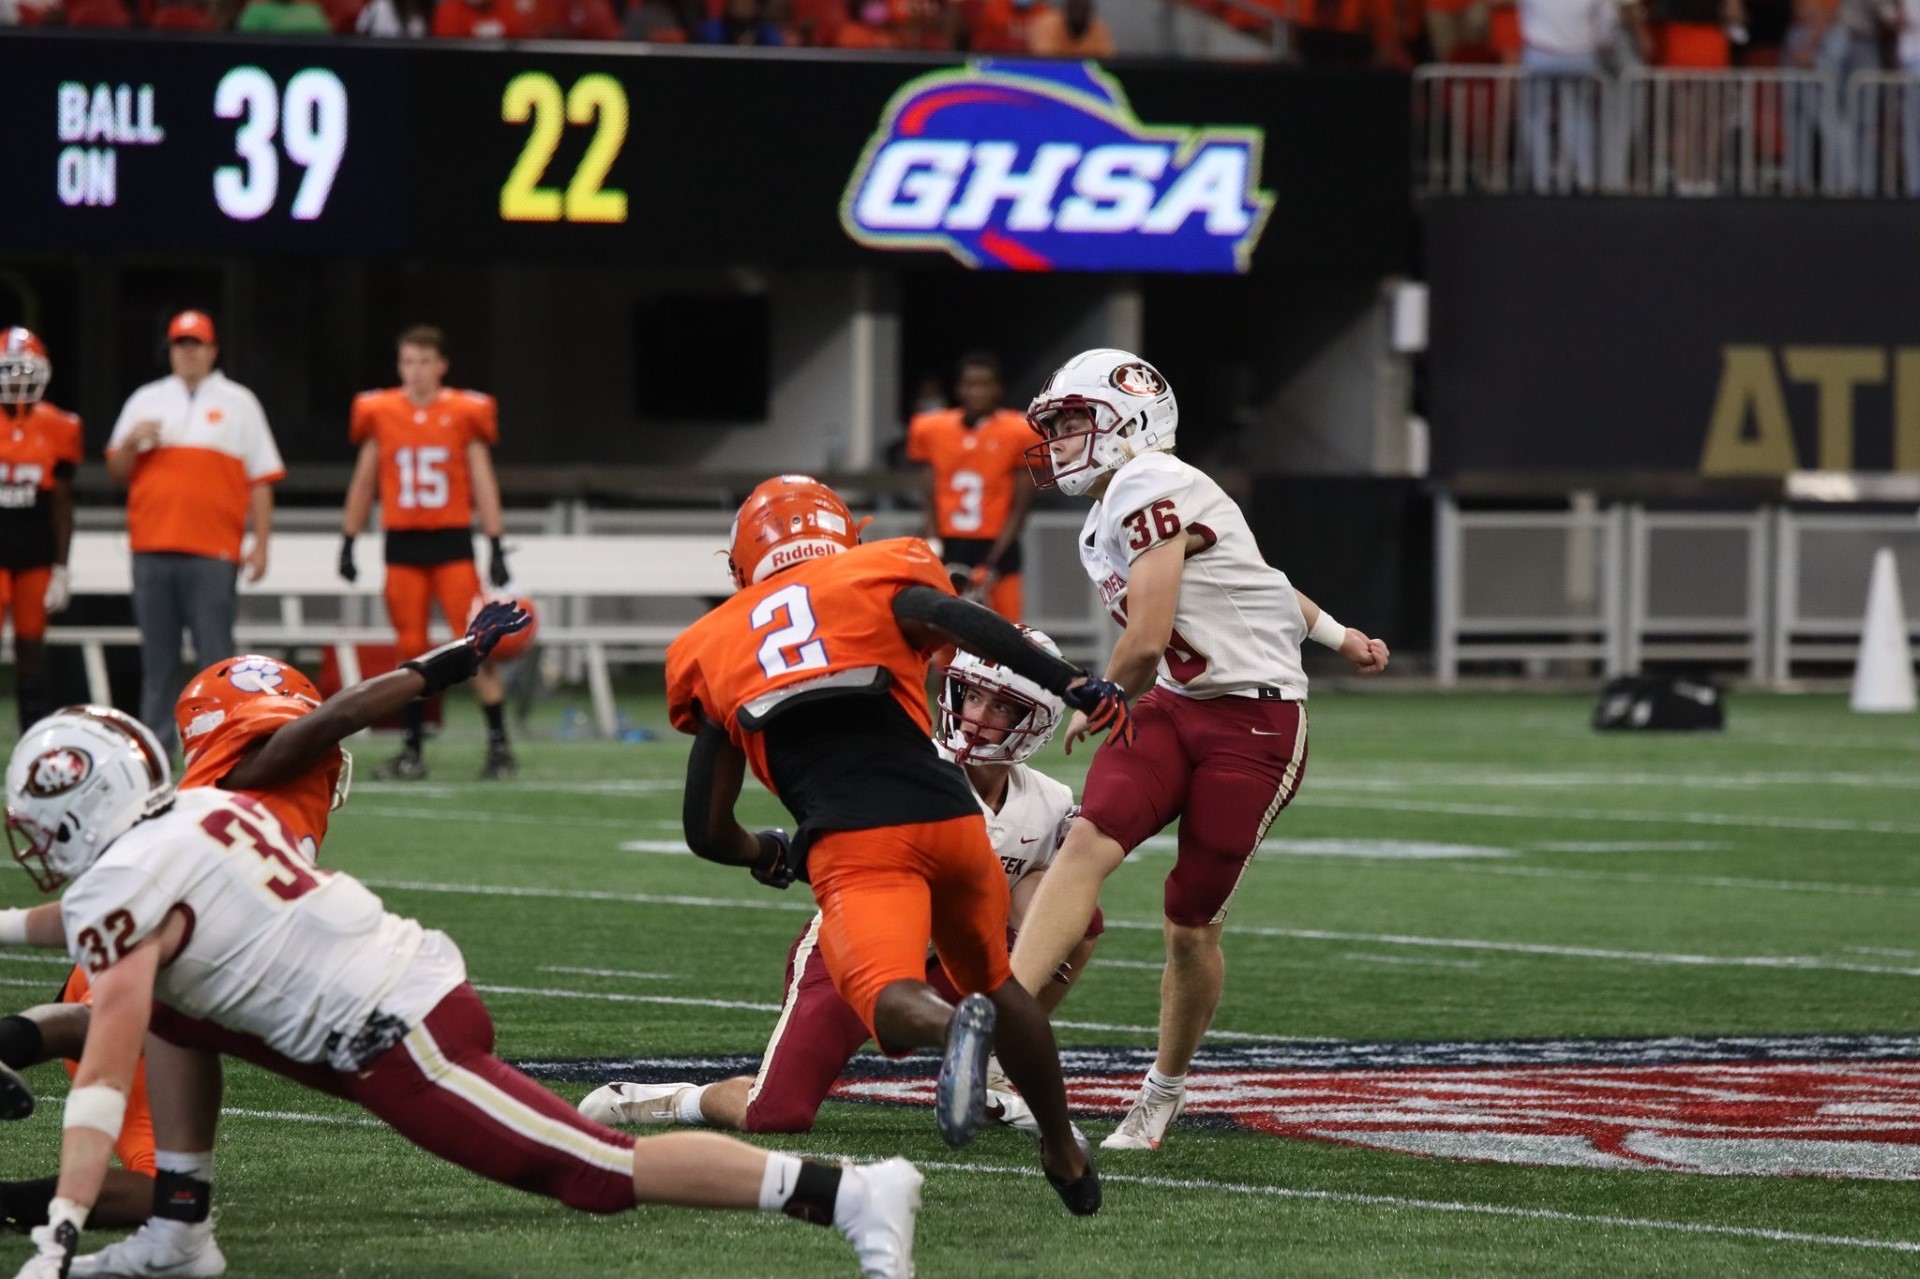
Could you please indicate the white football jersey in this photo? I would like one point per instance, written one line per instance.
(299, 957)
(1238, 625)
(1032, 821)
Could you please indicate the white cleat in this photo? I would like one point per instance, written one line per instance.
(158, 1250)
(1145, 1126)
(878, 1217)
(1011, 1110)
(618, 1105)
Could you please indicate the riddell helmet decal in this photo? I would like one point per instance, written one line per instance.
(1045, 167)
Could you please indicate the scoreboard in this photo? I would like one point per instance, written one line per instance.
(478, 149)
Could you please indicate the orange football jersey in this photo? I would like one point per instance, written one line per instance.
(424, 482)
(304, 803)
(974, 469)
(825, 617)
(31, 445)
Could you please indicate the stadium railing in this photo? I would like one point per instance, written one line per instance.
(1773, 590)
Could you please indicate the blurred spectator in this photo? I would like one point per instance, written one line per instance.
(742, 22)
(1452, 23)
(585, 20)
(185, 15)
(1698, 34)
(1840, 37)
(111, 14)
(391, 19)
(1005, 26)
(284, 17)
(659, 21)
(481, 20)
(1561, 53)
(1070, 33)
(869, 25)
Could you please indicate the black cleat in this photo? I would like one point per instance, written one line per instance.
(960, 1098)
(1082, 1194)
(408, 766)
(16, 1099)
(501, 765)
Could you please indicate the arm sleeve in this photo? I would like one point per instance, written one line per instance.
(981, 630)
(263, 455)
(483, 420)
(917, 449)
(686, 693)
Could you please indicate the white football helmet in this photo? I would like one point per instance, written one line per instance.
(1128, 407)
(1029, 733)
(78, 780)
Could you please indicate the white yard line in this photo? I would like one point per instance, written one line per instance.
(549, 992)
(1499, 778)
(1356, 957)
(1453, 1206)
(769, 902)
(1693, 881)
(605, 972)
(1842, 825)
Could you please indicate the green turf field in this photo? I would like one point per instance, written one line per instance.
(1464, 868)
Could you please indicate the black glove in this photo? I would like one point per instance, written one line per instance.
(1105, 706)
(347, 570)
(497, 563)
(775, 867)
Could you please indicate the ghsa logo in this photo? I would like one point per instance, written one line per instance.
(58, 771)
(1045, 167)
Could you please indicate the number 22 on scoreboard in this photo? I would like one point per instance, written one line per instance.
(597, 99)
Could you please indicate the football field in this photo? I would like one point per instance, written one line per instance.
(1504, 997)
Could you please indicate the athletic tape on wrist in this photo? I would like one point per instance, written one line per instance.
(101, 1107)
(66, 1210)
(13, 927)
(1327, 631)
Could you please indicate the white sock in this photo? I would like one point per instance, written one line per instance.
(197, 1164)
(778, 1182)
(687, 1109)
(1168, 1085)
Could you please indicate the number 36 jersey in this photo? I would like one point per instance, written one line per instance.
(1238, 625)
(276, 948)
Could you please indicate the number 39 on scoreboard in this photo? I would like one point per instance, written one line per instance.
(598, 100)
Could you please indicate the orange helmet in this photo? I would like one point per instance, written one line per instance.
(510, 646)
(788, 520)
(212, 694)
(24, 367)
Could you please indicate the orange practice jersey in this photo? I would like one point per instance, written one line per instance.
(833, 615)
(32, 445)
(974, 470)
(303, 803)
(424, 480)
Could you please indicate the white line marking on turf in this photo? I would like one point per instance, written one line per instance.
(1884, 952)
(1150, 965)
(1456, 1206)
(482, 817)
(1698, 881)
(548, 992)
(605, 972)
(27, 983)
(1358, 957)
(1831, 824)
(1504, 779)
(664, 847)
(13, 958)
(1633, 846)
(592, 895)
(302, 1117)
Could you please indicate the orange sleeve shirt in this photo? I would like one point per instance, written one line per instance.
(827, 617)
(33, 446)
(304, 803)
(425, 482)
(974, 470)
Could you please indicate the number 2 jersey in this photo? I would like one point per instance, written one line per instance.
(810, 675)
(34, 446)
(1238, 626)
(304, 959)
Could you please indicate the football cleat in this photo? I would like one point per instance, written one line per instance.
(960, 1098)
(1082, 1195)
(158, 1250)
(16, 1099)
(1145, 1126)
(621, 1104)
(875, 1211)
(408, 766)
(501, 765)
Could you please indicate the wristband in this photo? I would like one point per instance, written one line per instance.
(13, 927)
(1329, 632)
(445, 666)
(100, 1107)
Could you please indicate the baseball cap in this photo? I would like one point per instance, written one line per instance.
(191, 324)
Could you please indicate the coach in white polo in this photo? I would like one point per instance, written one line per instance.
(200, 461)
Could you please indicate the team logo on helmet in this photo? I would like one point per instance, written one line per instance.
(257, 675)
(1139, 379)
(58, 771)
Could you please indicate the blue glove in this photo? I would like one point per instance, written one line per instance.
(775, 867)
(1105, 705)
(494, 623)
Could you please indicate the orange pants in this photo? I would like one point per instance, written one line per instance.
(135, 1145)
(411, 590)
(884, 892)
(23, 593)
(1004, 597)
